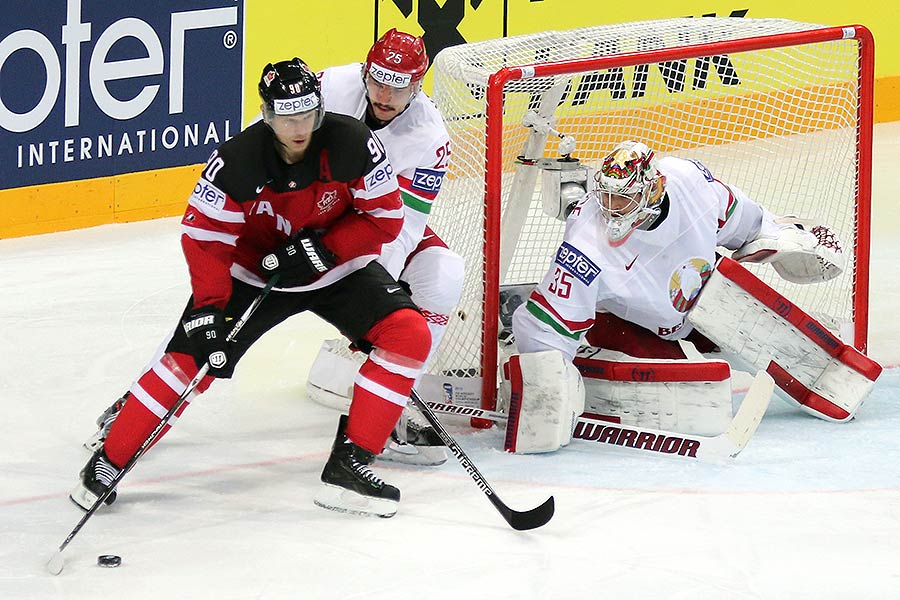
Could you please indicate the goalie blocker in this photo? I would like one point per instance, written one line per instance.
(752, 322)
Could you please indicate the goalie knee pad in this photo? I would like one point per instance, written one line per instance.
(545, 396)
(685, 396)
(746, 318)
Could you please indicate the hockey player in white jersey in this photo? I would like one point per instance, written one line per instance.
(385, 92)
(639, 258)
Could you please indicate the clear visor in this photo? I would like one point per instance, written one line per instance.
(389, 93)
(293, 122)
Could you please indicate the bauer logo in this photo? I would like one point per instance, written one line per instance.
(570, 258)
(93, 88)
(427, 180)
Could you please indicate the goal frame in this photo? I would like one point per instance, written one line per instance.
(494, 162)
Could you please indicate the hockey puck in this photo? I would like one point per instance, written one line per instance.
(109, 560)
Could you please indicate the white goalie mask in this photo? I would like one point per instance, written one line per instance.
(629, 189)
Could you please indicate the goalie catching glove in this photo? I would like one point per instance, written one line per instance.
(800, 250)
(299, 262)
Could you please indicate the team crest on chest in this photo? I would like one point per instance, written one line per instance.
(687, 281)
(328, 199)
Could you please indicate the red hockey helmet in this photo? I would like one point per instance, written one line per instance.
(397, 59)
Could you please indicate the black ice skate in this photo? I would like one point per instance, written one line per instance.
(96, 476)
(414, 443)
(348, 485)
(104, 422)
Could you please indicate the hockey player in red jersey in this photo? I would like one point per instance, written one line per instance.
(309, 196)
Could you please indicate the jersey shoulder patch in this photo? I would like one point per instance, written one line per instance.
(576, 262)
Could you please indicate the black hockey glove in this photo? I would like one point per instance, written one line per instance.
(299, 261)
(205, 329)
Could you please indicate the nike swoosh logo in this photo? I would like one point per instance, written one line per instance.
(631, 264)
(260, 188)
(392, 290)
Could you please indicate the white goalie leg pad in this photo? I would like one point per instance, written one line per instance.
(801, 251)
(745, 317)
(331, 377)
(545, 397)
(685, 396)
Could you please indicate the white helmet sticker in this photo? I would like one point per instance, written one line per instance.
(388, 77)
(296, 105)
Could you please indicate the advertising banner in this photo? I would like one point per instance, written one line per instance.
(92, 89)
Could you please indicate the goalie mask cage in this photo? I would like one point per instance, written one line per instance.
(779, 108)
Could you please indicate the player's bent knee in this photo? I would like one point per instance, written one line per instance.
(404, 333)
(435, 278)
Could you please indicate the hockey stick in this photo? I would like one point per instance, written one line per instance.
(56, 563)
(714, 449)
(518, 520)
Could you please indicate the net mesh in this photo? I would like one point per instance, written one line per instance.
(780, 123)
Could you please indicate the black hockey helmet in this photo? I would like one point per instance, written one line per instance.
(290, 87)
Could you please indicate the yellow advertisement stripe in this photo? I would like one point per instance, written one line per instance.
(730, 119)
(76, 204)
(887, 99)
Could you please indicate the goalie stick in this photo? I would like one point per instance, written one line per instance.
(56, 563)
(518, 520)
(715, 449)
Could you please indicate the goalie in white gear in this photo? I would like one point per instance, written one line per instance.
(642, 244)
(385, 93)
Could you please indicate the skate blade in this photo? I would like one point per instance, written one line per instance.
(338, 499)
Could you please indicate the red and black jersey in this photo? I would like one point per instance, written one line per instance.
(248, 202)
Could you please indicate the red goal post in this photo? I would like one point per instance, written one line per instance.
(788, 118)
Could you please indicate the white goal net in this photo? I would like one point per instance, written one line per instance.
(779, 108)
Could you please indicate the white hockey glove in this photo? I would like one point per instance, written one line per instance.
(800, 250)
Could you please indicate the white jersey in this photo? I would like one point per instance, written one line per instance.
(417, 146)
(652, 278)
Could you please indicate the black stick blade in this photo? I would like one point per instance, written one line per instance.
(525, 520)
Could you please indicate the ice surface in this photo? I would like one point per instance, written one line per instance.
(223, 507)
